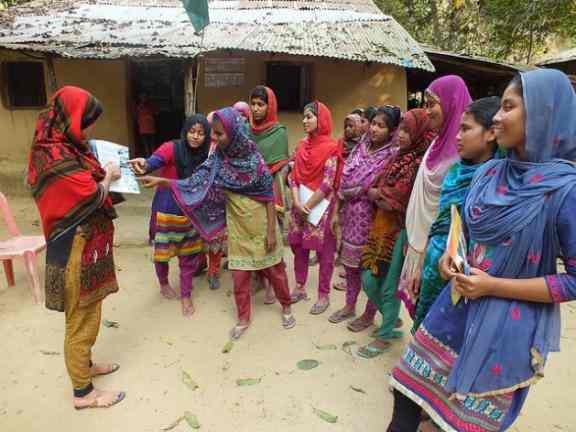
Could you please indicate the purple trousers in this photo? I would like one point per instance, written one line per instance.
(325, 265)
(188, 264)
(353, 287)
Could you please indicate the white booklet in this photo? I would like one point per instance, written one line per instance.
(106, 151)
(318, 211)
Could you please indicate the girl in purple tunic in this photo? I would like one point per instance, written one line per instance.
(171, 232)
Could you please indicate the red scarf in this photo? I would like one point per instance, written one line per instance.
(271, 118)
(314, 150)
(62, 171)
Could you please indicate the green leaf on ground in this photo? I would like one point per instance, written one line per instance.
(191, 420)
(187, 379)
(110, 324)
(326, 347)
(307, 364)
(248, 381)
(173, 424)
(228, 347)
(327, 417)
(357, 389)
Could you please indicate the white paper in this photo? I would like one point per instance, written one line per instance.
(107, 151)
(318, 211)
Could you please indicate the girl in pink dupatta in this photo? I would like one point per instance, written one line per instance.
(361, 169)
(446, 100)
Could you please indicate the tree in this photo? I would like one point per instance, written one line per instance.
(513, 30)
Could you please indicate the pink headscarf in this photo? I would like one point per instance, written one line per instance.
(243, 108)
(454, 98)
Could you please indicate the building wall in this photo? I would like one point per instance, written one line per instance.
(105, 79)
(341, 85)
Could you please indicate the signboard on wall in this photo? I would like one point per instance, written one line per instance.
(224, 72)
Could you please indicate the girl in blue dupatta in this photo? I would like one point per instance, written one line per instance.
(233, 189)
(470, 364)
(476, 145)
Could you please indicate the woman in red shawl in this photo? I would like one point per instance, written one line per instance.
(71, 192)
(315, 177)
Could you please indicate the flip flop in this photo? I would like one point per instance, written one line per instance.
(213, 282)
(339, 316)
(369, 352)
(270, 300)
(288, 321)
(359, 325)
(237, 331)
(319, 309)
(119, 398)
(114, 368)
(297, 296)
(340, 286)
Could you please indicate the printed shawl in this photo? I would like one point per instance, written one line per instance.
(63, 172)
(395, 185)
(314, 150)
(513, 207)
(237, 168)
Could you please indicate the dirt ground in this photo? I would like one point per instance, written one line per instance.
(154, 344)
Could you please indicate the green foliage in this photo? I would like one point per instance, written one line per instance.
(513, 30)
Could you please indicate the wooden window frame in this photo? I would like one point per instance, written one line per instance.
(6, 95)
(306, 90)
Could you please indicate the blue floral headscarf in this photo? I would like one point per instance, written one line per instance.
(237, 168)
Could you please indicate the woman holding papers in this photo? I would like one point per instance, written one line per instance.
(476, 145)
(362, 167)
(314, 179)
(382, 256)
(170, 229)
(472, 360)
(71, 192)
(233, 190)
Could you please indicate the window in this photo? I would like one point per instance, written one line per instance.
(291, 83)
(24, 84)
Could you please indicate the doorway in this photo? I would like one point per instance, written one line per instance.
(157, 103)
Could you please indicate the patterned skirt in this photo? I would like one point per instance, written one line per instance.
(423, 372)
(175, 236)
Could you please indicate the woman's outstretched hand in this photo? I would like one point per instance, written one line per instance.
(151, 181)
(138, 165)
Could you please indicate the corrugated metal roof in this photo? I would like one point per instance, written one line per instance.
(562, 57)
(121, 28)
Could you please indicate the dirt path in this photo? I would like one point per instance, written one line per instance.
(154, 344)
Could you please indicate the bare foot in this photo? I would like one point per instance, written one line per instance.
(98, 369)
(187, 306)
(269, 296)
(168, 292)
(99, 399)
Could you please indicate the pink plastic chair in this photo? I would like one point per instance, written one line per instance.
(18, 245)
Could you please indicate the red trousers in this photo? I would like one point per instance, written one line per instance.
(276, 276)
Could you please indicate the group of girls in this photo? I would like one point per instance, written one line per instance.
(390, 185)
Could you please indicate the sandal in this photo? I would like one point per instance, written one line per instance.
(288, 321)
(297, 296)
(359, 324)
(319, 308)
(339, 316)
(370, 352)
(95, 404)
(238, 330)
(340, 286)
(213, 282)
(113, 368)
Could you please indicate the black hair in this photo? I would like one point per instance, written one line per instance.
(483, 110)
(517, 82)
(260, 93)
(369, 113)
(358, 111)
(392, 116)
(312, 106)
